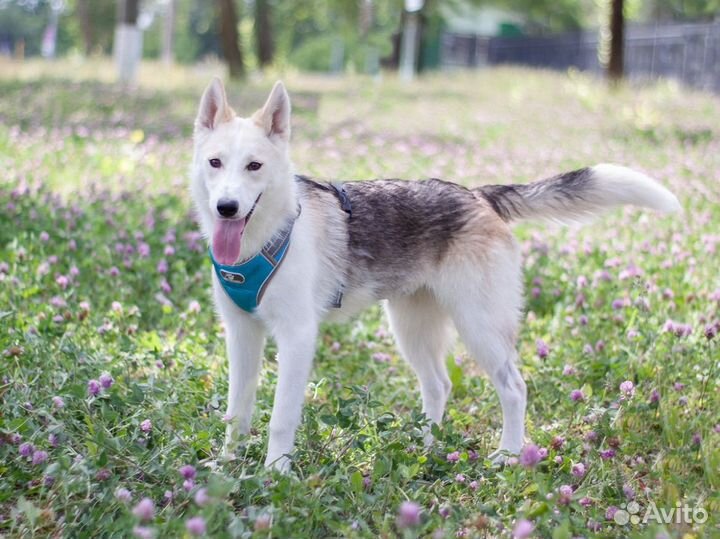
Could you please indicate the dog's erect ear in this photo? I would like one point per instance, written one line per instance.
(214, 108)
(274, 117)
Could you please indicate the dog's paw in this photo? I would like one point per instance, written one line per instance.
(501, 458)
(234, 433)
(281, 464)
(229, 448)
(212, 464)
(227, 455)
(428, 438)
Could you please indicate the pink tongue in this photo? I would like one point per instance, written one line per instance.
(226, 240)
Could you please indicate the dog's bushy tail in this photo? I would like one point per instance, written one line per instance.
(579, 195)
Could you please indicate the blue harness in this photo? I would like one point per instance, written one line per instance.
(247, 281)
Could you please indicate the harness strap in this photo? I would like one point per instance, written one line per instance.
(273, 247)
(343, 198)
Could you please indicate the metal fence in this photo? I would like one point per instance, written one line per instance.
(689, 53)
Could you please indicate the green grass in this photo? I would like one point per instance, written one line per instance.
(94, 201)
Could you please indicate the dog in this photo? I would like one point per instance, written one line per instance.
(289, 252)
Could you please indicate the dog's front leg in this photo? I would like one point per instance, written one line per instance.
(245, 339)
(296, 348)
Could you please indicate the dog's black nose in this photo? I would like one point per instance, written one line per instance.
(227, 207)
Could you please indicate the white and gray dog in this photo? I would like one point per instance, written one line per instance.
(289, 252)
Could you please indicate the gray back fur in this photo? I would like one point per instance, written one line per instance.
(399, 227)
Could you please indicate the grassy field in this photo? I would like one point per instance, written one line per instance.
(112, 364)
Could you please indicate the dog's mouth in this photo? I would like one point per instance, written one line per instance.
(227, 238)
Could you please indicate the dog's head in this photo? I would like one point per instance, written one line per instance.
(237, 163)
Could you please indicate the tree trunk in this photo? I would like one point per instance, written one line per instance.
(366, 18)
(127, 12)
(229, 38)
(263, 32)
(409, 45)
(86, 28)
(168, 32)
(127, 45)
(616, 66)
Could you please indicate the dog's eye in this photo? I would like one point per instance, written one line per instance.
(215, 162)
(254, 165)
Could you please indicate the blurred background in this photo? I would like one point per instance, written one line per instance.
(637, 38)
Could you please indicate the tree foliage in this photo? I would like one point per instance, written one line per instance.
(685, 9)
(321, 29)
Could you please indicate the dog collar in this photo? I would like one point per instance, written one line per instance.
(247, 281)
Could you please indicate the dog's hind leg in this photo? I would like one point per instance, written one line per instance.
(485, 305)
(423, 333)
(496, 354)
